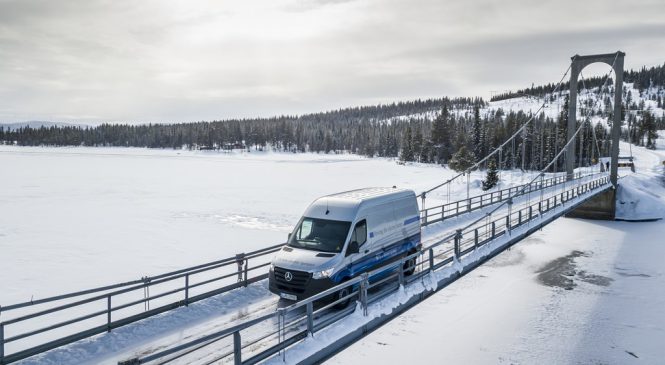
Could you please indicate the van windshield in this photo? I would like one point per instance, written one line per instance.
(320, 235)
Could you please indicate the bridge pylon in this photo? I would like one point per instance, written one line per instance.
(602, 206)
(615, 60)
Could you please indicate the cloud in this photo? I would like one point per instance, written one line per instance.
(165, 60)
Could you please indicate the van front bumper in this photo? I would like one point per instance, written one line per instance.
(301, 286)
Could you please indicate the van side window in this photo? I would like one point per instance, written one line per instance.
(305, 229)
(360, 233)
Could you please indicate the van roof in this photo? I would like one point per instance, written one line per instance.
(365, 194)
(344, 206)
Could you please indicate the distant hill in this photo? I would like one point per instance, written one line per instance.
(642, 79)
(38, 124)
(429, 131)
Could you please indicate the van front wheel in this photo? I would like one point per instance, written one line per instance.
(342, 293)
(409, 266)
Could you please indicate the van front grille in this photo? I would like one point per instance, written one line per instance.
(297, 283)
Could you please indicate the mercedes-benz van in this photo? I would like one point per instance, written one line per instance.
(343, 235)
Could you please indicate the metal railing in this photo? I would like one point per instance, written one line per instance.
(305, 318)
(98, 310)
(441, 212)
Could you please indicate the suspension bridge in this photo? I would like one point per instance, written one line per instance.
(483, 226)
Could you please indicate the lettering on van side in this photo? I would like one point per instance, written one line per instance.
(385, 230)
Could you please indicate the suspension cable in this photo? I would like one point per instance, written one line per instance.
(558, 86)
(565, 147)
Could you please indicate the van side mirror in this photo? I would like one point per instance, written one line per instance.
(289, 238)
(353, 248)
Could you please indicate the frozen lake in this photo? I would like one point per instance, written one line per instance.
(72, 218)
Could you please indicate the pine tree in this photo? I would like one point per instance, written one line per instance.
(492, 177)
(462, 159)
(478, 145)
(407, 148)
(440, 135)
(417, 145)
(650, 129)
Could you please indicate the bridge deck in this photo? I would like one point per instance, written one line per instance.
(446, 261)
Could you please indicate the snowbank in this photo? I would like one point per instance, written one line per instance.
(639, 199)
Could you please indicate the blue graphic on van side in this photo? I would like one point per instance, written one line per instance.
(371, 235)
(377, 258)
(411, 220)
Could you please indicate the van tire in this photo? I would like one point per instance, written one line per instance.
(409, 266)
(342, 293)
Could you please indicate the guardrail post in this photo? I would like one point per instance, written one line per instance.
(458, 239)
(187, 290)
(237, 349)
(508, 222)
(310, 318)
(245, 272)
(422, 199)
(493, 230)
(401, 272)
(2, 343)
(431, 259)
(108, 313)
(530, 212)
(519, 217)
(146, 292)
(240, 259)
(364, 284)
(475, 238)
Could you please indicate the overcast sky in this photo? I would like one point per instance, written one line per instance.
(94, 61)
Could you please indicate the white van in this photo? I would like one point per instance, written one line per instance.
(343, 235)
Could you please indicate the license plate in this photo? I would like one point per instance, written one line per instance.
(288, 296)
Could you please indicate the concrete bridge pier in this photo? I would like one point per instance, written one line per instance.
(601, 207)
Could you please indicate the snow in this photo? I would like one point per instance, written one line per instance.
(79, 217)
(636, 201)
(327, 336)
(553, 108)
(75, 218)
(60, 232)
(637, 196)
(608, 308)
(173, 326)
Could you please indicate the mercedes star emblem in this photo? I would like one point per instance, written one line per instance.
(288, 276)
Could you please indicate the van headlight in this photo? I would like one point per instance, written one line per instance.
(322, 274)
(272, 267)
